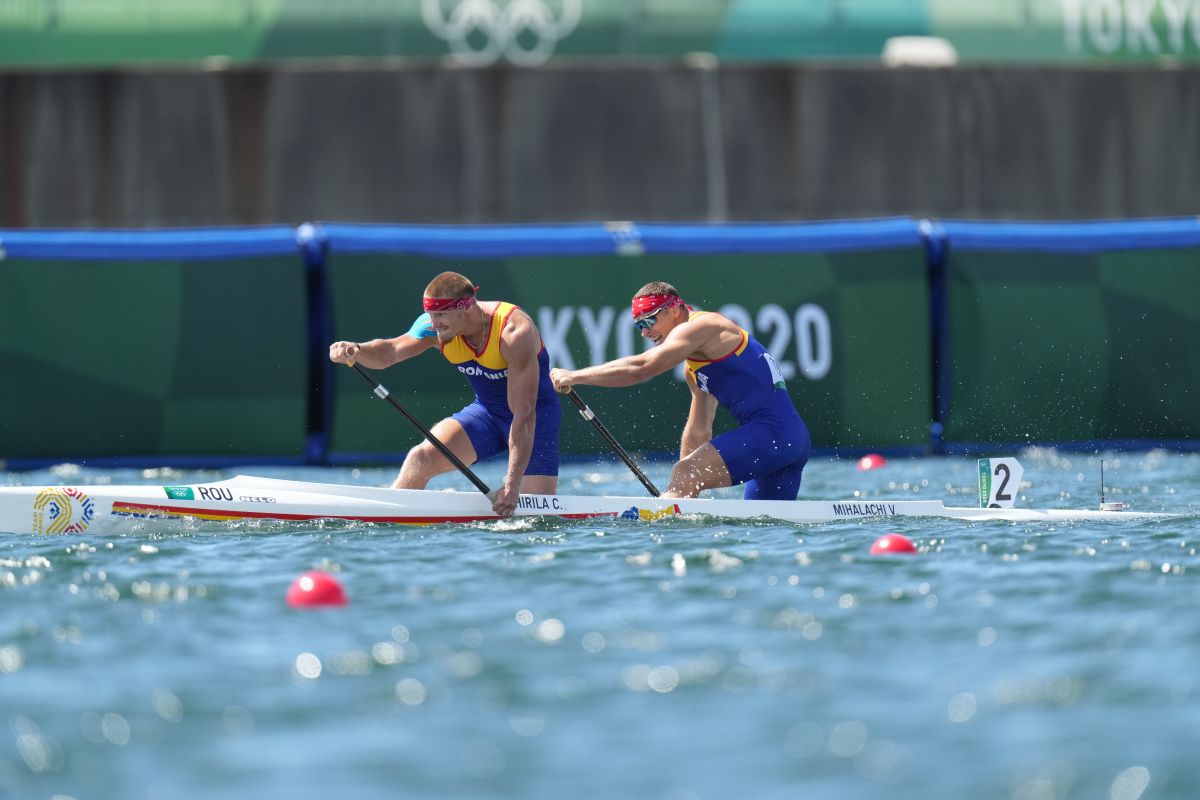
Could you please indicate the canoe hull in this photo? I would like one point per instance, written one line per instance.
(54, 510)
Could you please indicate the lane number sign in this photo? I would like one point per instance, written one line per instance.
(999, 480)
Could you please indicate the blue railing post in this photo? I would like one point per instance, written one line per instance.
(935, 251)
(313, 243)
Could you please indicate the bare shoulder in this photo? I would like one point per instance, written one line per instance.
(716, 334)
(519, 334)
(518, 323)
(712, 321)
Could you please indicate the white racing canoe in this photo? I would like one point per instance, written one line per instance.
(101, 509)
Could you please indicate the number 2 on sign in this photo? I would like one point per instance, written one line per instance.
(999, 480)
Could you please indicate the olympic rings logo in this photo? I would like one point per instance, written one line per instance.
(481, 32)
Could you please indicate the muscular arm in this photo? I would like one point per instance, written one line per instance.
(519, 344)
(684, 339)
(380, 353)
(698, 428)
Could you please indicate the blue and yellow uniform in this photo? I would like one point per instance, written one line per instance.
(488, 419)
(768, 452)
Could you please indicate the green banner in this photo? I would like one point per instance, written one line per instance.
(153, 358)
(528, 32)
(1055, 347)
(850, 333)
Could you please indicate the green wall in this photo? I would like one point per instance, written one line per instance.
(1061, 347)
(152, 358)
(180, 347)
(862, 319)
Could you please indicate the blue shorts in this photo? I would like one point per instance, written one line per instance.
(768, 455)
(488, 432)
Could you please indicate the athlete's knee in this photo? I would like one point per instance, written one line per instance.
(686, 480)
(424, 460)
(420, 455)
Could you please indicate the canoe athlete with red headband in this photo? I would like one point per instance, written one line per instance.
(725, 366)
(500, 351)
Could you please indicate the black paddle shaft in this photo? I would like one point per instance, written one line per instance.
(591, 417)
(382, 392)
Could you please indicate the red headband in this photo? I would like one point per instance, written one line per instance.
(453, 304)
(654, 302)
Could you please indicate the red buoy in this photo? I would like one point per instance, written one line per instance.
(316, 588)
(892, 543)
(871, 461)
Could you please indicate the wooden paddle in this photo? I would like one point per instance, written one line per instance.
(591, 417)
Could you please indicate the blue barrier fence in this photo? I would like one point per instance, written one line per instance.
(316, 245)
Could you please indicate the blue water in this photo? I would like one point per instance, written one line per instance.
(670, 660)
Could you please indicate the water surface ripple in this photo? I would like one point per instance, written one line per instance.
(673, 660)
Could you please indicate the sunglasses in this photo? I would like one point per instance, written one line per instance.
(646, 323)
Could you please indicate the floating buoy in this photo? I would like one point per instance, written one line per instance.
(871, 461)
(316, 588)
(892, 543)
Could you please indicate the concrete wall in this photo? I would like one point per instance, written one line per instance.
(654, 142)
